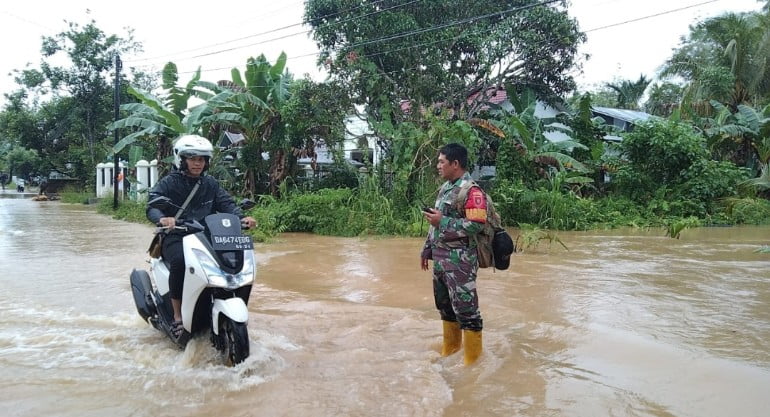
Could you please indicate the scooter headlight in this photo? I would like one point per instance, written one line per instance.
(219, 278)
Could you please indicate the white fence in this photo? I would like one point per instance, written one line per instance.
(146, 174)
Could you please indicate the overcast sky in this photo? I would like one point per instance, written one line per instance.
(216, 38)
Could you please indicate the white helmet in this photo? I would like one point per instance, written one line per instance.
(191, 145)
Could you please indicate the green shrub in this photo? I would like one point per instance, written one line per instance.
(663, 150)
(73, 197)
(748, 211)
(707, 181)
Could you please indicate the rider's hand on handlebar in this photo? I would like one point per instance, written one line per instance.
(168, 222)
(248, 222)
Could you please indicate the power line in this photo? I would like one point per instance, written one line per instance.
(458, 36)
(395, 36)
(651, 16)
(455, 23)
(275, 30)
(417, 67)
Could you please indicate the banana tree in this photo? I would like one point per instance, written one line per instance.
(166, 117)
(744, 136)
(527, 143)
(251, 104)
(759, 123)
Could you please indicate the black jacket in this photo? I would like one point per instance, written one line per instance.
(209, 199)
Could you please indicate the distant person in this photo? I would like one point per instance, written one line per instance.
(43, 187)
(3, 179)
(20, 185)
(453, 251)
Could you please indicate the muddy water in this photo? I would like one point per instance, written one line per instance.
(625, 323)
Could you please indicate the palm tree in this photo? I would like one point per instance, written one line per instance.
(630, 92)
(726, 58)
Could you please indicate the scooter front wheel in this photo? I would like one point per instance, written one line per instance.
(236, 341)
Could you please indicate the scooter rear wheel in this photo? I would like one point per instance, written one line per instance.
(236, 341)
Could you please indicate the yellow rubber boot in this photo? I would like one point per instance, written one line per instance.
(452, 338)
(472, 344)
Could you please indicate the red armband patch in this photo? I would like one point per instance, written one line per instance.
(476, 206)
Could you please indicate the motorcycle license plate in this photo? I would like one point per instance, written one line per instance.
(239, 242)
(225, 233)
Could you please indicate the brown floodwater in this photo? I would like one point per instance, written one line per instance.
(624, 323)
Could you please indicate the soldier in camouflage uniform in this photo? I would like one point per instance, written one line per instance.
(453, 251)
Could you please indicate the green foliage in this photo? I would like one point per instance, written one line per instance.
(725, 58)
(547, 208)
(21, 162)
(268, 225)
(131, 211)
(708, 181)
(76, 66)
(340, 176)
(674, 228)
(317, 112)
(531, 237)
(74, 196)
(629, 93)
(748, 211)
(367, 210)
(663, 98)
(525, 153)
(663, 150)
(414, 152)
(761, 184)
(363, 43)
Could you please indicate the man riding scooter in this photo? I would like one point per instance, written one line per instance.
(193, 196)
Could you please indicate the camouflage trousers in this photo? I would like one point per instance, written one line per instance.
(454, 290)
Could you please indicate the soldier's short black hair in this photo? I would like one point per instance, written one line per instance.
(455, 152)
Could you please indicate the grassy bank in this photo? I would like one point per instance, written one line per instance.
(355, 212)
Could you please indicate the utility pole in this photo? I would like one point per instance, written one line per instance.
(116, 100)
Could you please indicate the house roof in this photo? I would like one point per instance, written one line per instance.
(230, 138)
(630, 116)
(494, 96)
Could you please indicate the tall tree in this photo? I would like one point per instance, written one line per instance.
(725, 58)
(89, 55)
(431, 51)
(316, 113)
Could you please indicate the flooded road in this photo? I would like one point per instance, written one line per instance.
(625, 323)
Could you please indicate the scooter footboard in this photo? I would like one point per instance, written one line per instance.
(234, 308)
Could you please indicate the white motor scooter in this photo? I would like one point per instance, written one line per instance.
(219, 271)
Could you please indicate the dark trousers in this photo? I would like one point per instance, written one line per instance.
(173, 253)
(454, 291)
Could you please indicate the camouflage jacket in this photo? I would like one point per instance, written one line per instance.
(451, 239)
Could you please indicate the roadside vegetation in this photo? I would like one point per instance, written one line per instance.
(703, 159)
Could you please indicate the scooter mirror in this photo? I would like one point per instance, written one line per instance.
(247, 204)
(160, 203)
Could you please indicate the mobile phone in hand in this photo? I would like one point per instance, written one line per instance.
(426, 209)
